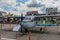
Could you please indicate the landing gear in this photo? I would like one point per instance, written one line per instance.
(41, 29)
(24, 30)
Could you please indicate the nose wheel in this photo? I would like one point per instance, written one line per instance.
(24, 30)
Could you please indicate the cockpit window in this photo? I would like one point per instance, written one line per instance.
(27, 18)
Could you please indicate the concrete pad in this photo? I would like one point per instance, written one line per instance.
(7, 39)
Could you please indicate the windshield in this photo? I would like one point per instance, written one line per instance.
(27, 19)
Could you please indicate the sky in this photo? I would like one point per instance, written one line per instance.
(17, 7)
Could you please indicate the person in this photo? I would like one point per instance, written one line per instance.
(5, 20)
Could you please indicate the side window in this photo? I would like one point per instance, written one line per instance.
(32, 20)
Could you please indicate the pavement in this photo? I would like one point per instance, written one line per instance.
(7, 39)
(51, 33)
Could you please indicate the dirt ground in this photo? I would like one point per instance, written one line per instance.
(51, 33)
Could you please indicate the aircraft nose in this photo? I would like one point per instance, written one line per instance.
(28, 24)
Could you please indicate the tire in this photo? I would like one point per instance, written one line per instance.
(40, 29)
(24, 30)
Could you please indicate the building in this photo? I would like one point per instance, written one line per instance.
(9, 14)
(51, 11)
(32, 13)
(2, 13)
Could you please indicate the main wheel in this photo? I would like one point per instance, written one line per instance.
(24, 30)
(40, 29)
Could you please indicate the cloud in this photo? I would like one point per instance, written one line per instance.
(7, 7)
(35, 4)
(9, 2)
(22, 6)
(1, 9)
(56, 0)
(19, 2)
(50, 3)
(10, 6)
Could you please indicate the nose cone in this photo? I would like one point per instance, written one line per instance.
(26, 20)
(28, 24)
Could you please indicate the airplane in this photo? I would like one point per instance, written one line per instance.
(30, 22)
(27, 23)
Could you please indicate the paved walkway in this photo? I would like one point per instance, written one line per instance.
(52, 34)
(7, 39)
